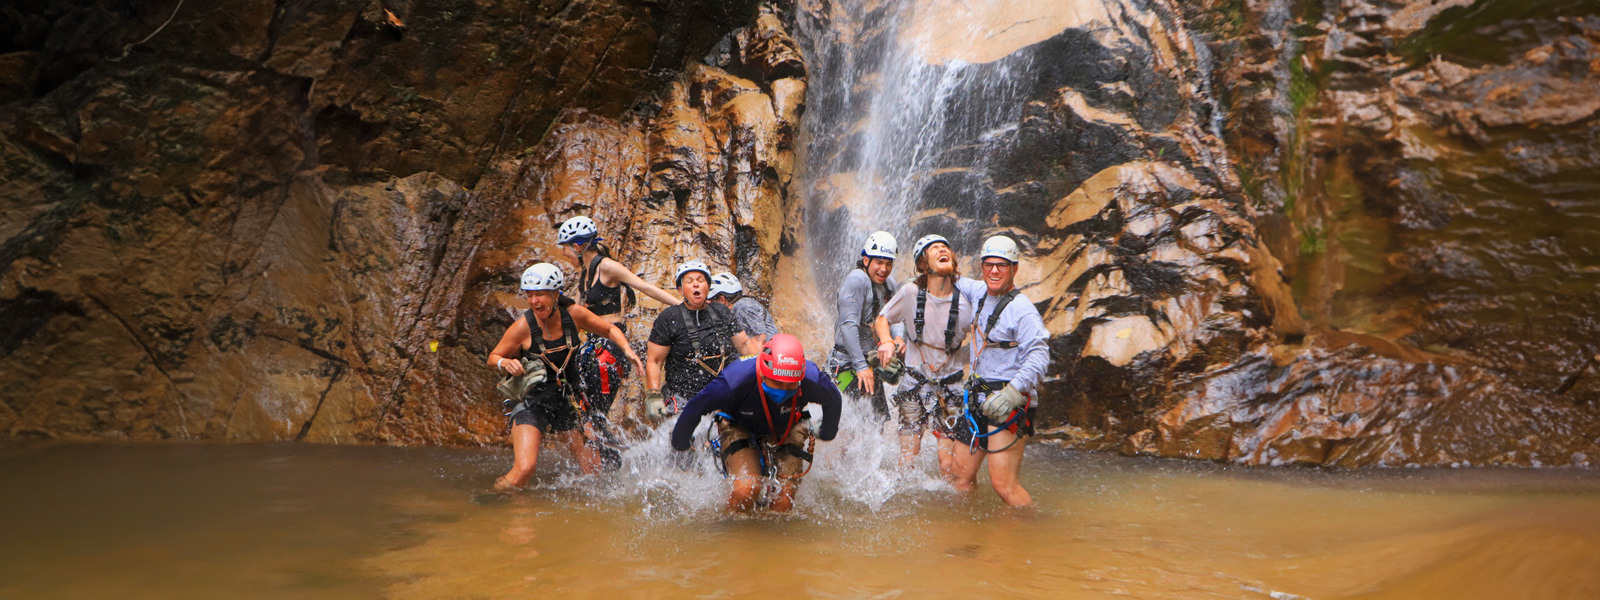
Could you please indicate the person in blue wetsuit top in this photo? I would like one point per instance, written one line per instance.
(1010, 356)
(761, 420)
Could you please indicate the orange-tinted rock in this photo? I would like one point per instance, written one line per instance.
(257, 225)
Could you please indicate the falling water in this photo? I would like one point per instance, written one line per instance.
(898, 125)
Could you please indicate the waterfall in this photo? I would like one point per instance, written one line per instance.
(897, 129)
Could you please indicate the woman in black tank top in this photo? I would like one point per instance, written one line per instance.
(602, 282)
(548, 333)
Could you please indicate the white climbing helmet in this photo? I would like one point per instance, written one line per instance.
(880, 245)
(687, 267)
(543, 276)
(1001, 247)
(576, 231)
(922, 244)
(725, 283)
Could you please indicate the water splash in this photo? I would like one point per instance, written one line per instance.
(856, 474)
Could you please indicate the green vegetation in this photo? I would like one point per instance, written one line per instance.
(1302, 90)
(1311, 240)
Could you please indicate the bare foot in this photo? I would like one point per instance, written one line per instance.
(501, 484)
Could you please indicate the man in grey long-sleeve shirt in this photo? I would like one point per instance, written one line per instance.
(748, 312)
(1009, 361)
(864, 292)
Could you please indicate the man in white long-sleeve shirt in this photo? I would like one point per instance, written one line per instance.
(1009, 358)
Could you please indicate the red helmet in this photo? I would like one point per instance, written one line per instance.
(782, 359)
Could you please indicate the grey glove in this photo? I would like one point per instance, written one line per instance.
(515, 386)
(655, 405)
(890, 373)
(998, 405)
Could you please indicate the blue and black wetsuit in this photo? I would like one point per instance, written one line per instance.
(736, 393)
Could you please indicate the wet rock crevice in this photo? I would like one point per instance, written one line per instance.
(279, 220)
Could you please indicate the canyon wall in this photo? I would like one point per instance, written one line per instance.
(305, 220)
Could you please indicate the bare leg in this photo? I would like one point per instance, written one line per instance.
(588, 460)
(785, 500)
(947, 461)
(910, 445)
(964, 474)
(745, 471)
(525, 456)
(1005, 468)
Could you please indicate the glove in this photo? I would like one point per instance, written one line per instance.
(515, 386)
(655, 405)
(998, 405)
(890, 373)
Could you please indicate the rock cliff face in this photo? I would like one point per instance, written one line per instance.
(1351, 232)
(1262, 232)
(303, 220)
(1422, 169)
(1106, 163)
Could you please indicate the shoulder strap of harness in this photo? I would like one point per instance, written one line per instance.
(569, 329)
(922, 302)
(877, 303)
(590, 273)
(994, 317)
(950, 344)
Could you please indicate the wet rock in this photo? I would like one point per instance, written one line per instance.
(257, 224)
(1402, 135)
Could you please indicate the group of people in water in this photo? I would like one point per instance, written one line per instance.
(955, 356)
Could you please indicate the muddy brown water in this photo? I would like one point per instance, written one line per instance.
(309, 521)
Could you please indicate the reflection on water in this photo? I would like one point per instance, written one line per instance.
(302, 521)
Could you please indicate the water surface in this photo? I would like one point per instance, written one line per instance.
(307, 521)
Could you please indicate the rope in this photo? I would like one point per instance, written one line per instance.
(158, 29)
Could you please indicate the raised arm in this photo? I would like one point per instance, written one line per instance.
(613, 270)
(592, 323)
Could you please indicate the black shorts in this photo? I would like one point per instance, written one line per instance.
(1022, 426)
(547, 412)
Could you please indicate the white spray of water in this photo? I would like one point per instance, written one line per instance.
(885, 118)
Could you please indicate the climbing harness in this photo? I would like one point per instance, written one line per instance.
(568, 340)
(598, 436)
(994, 317)
(950, 341)
(767, 453)
(694, 342)
(941, 393)
(984, 386)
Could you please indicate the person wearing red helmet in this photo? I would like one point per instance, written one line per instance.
(762, 427)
